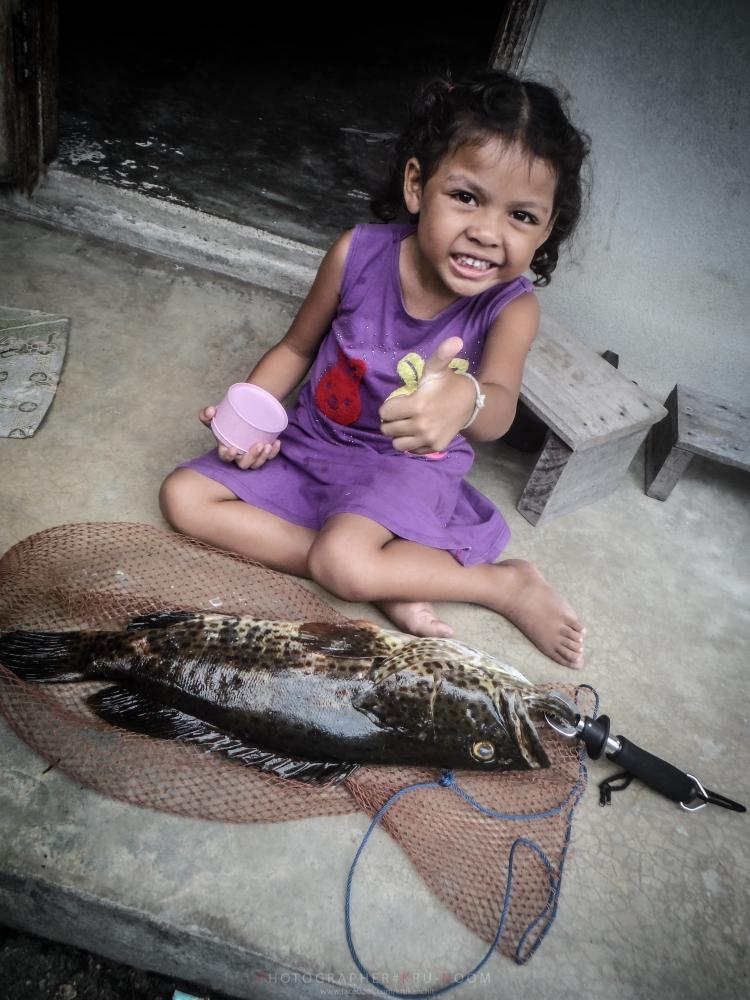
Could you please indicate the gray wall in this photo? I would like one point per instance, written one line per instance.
(660, 268)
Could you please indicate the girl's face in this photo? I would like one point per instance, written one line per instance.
(482, 216)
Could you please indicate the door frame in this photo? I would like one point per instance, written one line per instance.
(28, 90)
(515, 34)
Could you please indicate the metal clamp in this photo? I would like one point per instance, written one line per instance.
(701, 794)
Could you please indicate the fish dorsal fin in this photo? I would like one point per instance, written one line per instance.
(137, 713)
(355, 640)
(161, 619)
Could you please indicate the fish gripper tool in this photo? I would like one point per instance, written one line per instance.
(677, 785)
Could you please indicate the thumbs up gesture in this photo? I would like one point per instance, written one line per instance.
(427, 418)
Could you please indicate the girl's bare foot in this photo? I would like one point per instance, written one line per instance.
(539, 612)
(415, 617)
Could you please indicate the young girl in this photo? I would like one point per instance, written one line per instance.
(416, 334)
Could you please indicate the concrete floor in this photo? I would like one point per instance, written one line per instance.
(654, 900)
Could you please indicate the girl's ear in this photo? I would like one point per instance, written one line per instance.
(413, 185)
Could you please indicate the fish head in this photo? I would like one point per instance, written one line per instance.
(469, 708)
(484, 722)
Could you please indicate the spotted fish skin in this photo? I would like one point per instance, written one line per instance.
(302, 691)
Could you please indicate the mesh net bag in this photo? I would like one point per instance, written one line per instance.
(100, 576)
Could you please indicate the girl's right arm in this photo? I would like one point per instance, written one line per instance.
(284, 366)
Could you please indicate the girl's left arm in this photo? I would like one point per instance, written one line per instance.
(501, 370)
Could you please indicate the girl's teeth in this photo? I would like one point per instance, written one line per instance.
(480, 265)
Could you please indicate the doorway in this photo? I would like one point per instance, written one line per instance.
(274, 121)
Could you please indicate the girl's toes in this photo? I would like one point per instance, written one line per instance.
(570, 652)
(442, 631)
(570, 632)
(575, 644)
(572, 658)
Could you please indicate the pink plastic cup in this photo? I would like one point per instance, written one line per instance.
(246, 415)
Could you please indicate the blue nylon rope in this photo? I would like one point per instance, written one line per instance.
(548, 911)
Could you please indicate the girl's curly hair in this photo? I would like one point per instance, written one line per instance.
(446, 114)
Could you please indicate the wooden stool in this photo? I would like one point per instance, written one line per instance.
(597, 419)
(696, 424)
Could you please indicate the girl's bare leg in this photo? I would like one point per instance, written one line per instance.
(199, 506)
(360, 560)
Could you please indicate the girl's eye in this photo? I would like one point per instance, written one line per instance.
(465, 197)
(526, 217)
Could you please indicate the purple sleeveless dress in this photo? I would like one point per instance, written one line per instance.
(334, 459)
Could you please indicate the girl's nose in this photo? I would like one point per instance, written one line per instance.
(486, 231)
(488, 237)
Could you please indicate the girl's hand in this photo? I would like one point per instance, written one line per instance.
(256, 456)
(427, 420)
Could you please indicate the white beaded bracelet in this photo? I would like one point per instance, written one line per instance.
(478, 403)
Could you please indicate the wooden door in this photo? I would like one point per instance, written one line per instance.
(28, 90)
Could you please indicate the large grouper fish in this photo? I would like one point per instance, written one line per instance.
(304, 700)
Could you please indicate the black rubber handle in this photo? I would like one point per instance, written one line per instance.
(655, 772)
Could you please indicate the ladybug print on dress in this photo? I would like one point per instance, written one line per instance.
(337, 393)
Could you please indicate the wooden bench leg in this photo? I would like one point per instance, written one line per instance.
(665, 461)
(564, 480)
(661, 481)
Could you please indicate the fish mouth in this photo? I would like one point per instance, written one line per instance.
(561, 707)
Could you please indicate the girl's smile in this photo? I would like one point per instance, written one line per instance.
(482, 216)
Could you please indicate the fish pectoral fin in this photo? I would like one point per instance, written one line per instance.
(397, 704)
(381, 670)
(140, 714)
(161, 619)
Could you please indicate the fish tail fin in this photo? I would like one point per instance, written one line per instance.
(47, 657)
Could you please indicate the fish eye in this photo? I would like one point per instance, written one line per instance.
(483, 750)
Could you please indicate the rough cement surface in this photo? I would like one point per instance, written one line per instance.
(654, 899)
(184, 235)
